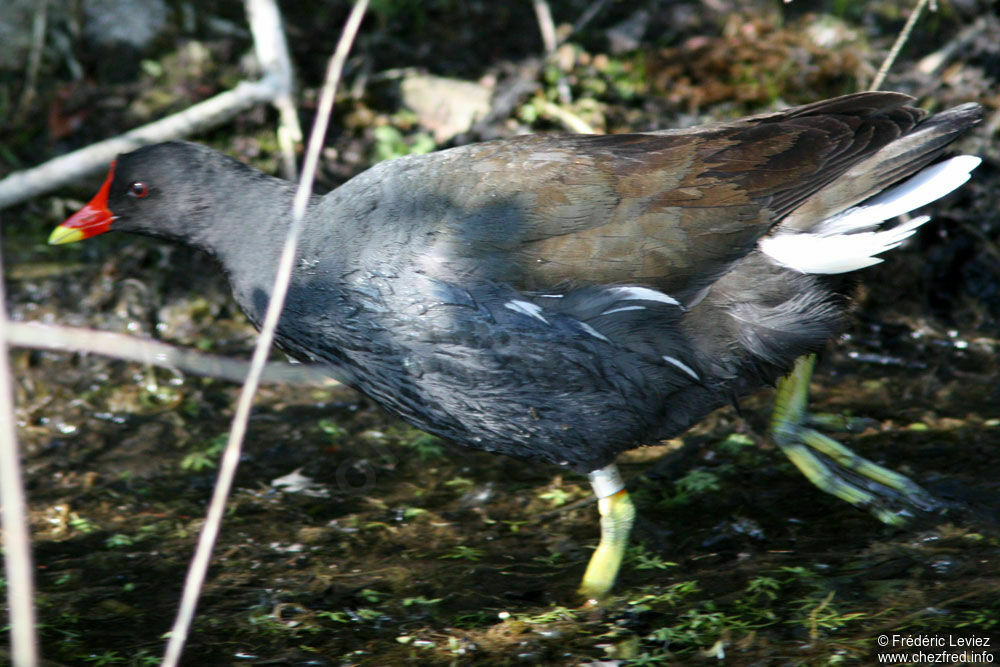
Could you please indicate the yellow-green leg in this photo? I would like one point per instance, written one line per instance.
(617, 515)
(886, 494)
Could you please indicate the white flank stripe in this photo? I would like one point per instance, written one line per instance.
(526, 308)
(630, 293)
(593, 332)
(681, 365)
(622, 308)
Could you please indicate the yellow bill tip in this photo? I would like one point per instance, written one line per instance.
(62, 234)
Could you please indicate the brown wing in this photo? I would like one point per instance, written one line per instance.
(668, 209)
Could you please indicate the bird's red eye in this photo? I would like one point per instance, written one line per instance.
(138, 189)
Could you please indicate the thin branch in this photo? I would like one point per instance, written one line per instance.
(34, 56)
(550, 41)
(567, 118)
(230, 458)
(65, 169)
(130, 348)
(276, 86)
(904, 35)
(272, 52)
(16, 536)
(546, 25)
(585, 18)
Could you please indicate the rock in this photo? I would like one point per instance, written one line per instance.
(444, 106)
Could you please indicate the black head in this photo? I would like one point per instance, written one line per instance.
(166, 190)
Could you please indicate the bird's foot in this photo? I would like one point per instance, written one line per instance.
(832, 467)
(617, 516)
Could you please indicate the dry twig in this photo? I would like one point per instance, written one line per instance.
(904, 35)
(154, 353)
(60, 171)
(566, 118)
(275, 86)
(16, 539)
(546, 25)
(230, 457)
(34, 56)
(272, 52)
(550, 41)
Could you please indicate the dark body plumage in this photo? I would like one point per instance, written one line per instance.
(562, 298)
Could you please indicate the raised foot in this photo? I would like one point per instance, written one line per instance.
(832, 467)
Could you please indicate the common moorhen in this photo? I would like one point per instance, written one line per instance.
(566, 298)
